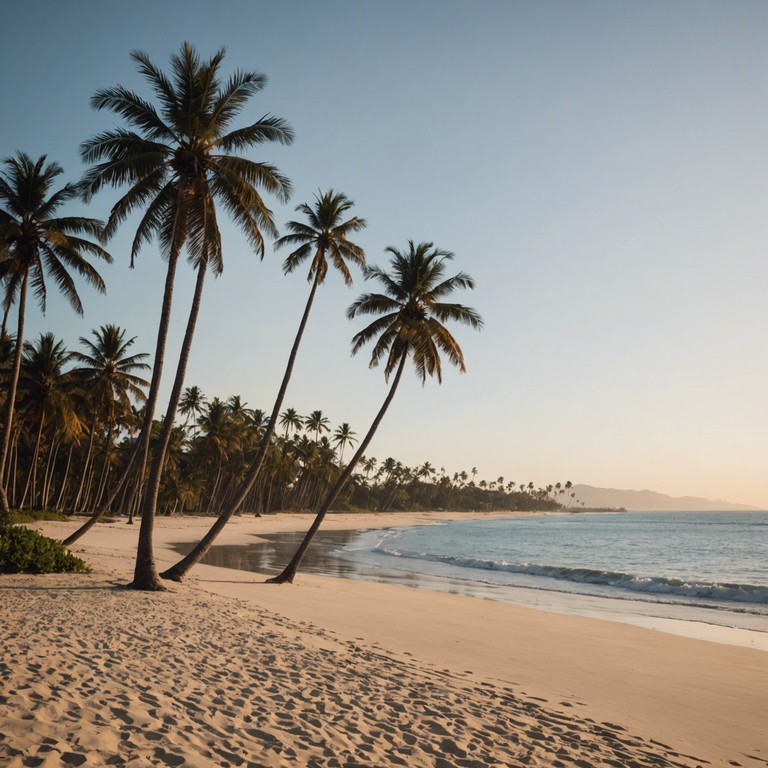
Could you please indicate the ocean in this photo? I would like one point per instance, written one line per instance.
(705, 567)
(668, 571)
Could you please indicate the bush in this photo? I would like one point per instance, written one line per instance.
(25, 551)
(32, 515)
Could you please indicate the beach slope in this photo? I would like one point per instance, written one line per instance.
(225, 670)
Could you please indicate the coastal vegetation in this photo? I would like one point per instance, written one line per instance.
(25, 551)
(79, 433)
(84, 448)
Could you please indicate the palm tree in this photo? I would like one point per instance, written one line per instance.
(37, 244)
(107, 374)
(342, 437)
(412, 313)
(290, 419)
(317, 423)
(325, 239)
(46, 395)
(176, 160)
(192, 404)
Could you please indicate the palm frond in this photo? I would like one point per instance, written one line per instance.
(297, 257)
(240, 87)
(268, 128)
(135, 110)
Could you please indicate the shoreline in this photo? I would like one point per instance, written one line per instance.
(715, 623)
(570, 674)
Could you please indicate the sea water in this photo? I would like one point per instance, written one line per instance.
(705, 567)
(703, 574)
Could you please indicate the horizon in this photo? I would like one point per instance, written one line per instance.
(599, 170)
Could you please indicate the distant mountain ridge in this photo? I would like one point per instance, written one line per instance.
(651, 501)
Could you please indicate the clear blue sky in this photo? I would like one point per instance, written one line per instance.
(600, 168)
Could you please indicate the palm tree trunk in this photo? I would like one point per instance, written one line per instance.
(36, 460)
(50, 467)
(149, 409)
(105, 467)
(289, 572)
(65, 479)
(178, 571)
(81, 486)
(145, 574)
(5, 510)
(13, 464)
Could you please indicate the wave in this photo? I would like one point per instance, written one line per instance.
(658, 585)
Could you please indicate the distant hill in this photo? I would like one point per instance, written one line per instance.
(650, 501)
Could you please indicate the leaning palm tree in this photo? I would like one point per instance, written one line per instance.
(179, 159)
(37, 245)
(106, 372)
(411, 326)
(324, 238)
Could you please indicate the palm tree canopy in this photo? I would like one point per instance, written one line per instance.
(317, 423)
(36, 242)
(290, 419)
(107, 370)
(46, 388)
(324, 237)
(344, 434)
(412, 311)
(192, 402)
(180, 156)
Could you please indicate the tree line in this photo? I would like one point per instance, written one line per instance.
(179, 162)
(79, 413)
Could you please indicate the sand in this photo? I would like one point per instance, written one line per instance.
(225, 670)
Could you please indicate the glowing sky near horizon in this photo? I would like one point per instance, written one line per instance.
(599, 168)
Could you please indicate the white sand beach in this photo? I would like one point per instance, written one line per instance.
(226, 670)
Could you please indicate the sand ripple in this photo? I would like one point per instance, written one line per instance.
(95, 675)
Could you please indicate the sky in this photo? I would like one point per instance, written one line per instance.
(599, 168)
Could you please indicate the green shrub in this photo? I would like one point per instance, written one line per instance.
(31, 515)
(25, 551)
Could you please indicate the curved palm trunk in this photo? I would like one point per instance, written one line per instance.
(65, 479)
(105, 467)
(289, 572)
(145, 574)
(86, 465)
(36, 460)
(149, 409)
(178, 571)
(50, 470)
(5, 510)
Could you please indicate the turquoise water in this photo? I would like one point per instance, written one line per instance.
(711, 560)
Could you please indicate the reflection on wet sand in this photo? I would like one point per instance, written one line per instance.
(272, 552)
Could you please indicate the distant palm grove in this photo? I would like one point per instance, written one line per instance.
(71, 443)
(80, 432)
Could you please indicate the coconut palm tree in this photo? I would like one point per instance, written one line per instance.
(46, 396)
(192, 404)
(179, 159)
(290, 419)
(342, 437)
(412, 313)
(325, 239)
(106, 372)
(317, 423)
(38, 244)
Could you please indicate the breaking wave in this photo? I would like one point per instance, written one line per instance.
(734, 593)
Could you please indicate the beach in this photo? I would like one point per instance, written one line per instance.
(226, 670)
